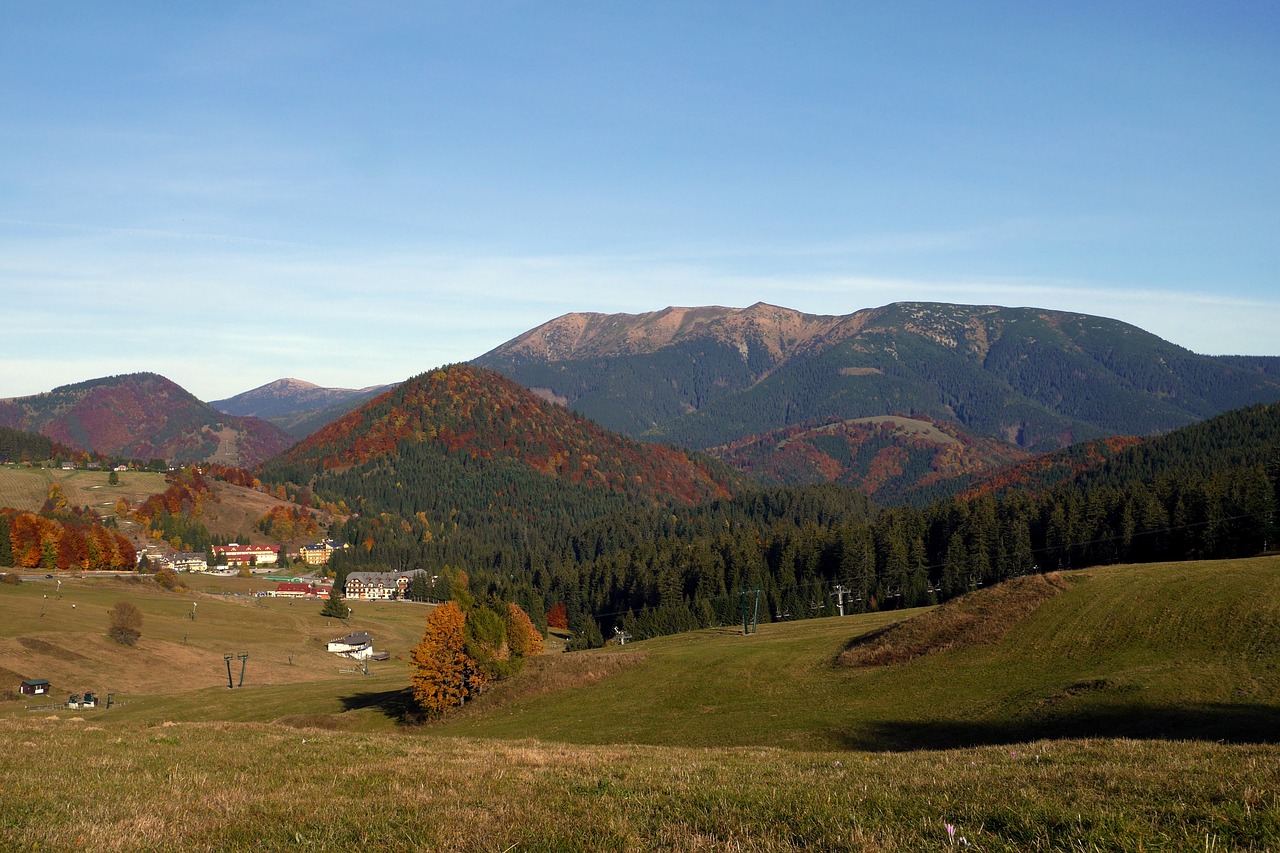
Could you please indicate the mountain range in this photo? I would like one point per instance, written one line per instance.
(1037, 379)
(897, 401)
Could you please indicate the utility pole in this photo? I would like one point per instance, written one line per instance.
(840, 592)
(750, 623)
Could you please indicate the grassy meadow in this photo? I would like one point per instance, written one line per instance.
(1137, 709)
(24, 487)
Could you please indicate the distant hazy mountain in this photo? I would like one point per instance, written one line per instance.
(299, 408)
(1038, 379)
(143, 416)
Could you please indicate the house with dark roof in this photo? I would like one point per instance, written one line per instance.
(379, 586)
(34, 687)
(358, 646)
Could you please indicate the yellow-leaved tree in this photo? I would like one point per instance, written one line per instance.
(445, 676)
(465, 648)
(522, 637)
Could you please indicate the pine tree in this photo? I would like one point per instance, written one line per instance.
(334, 606)
(6, 546)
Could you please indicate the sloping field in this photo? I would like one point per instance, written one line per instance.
(26, 488)
(222, 786)
(235, 512)
(668, 744)
(1184, 650)
(177, 670)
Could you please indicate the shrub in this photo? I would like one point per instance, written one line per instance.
(126, 623)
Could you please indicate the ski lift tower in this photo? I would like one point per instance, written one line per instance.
(840, 592)
(751, 614)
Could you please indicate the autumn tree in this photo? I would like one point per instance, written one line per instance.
(126, 623)
(486, 643)
(558, 616)
(522, 637)
(445, 675)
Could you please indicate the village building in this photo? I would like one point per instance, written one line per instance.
(34, 687)
(189, 561)
(379, 586)
(297, 589)
(319, 553)
(247, 555)
(358, 646)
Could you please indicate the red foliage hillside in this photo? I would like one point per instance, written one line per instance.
(143, 416)
(1044, 472)
(882, 457)
(463, 409)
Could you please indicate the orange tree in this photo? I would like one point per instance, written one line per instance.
(522, 637)
(445, 675)
(461, 651)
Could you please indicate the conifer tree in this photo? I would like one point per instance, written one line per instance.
(334, 606)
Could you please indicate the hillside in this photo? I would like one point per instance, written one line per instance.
(480, 415)
(1244, 438)
(1034, 378)
(143, 416)
(1157, 651)
(462, 467)
(885, 457)
(297, 407)
(1115, 663)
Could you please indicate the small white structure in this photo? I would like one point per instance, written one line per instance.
(357, 646)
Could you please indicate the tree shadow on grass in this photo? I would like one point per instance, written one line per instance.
(398, 705)
(1226, 723)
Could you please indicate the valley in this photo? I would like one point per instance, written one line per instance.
(709, 739)
(891, 593)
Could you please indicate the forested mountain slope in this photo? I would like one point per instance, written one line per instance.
(888, 457)
(143, 416)
(462, 469)
(1239, 439)
(1039, 379)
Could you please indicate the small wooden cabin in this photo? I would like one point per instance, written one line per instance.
(34, 687)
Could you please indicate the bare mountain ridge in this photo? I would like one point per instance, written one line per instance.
(782, 332)
(1037, 378)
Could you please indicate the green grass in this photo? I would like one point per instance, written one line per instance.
(1136, 710)
(1169, 650)
(216, 786)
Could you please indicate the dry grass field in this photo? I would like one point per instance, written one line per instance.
(233, 514)
(26, 488)
(1135, 709)
(58, 631)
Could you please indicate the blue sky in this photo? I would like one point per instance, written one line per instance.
(352, 193)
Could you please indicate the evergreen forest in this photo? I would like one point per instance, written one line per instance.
(546, 513)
